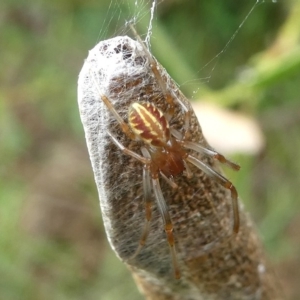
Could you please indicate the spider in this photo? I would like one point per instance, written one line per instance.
(164, 153)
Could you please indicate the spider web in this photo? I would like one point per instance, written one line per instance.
(144, 15)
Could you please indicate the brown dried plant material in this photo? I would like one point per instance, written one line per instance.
(212, 266)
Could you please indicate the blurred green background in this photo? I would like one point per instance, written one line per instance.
(52, 243)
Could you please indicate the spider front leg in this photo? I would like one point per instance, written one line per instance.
(225, 183)
(167, 93)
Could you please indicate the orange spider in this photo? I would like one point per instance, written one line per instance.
(164, 153)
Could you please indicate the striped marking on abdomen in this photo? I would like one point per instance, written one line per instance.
(149, 124)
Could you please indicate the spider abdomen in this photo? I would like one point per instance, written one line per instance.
(149, 124)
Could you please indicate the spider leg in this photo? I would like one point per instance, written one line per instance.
(125, 128)
(148, 204)
(169, 96)
(178, 135)
(162, 206)
(209, 152)
(224, 182)
(203, 150)
(126, 151)
(170, 181)
(189, 173)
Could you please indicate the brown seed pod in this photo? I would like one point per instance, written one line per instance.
(199, 217)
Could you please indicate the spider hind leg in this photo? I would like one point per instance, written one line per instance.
(162, 206)
(225, 183)
(148, 210)
(163, 209)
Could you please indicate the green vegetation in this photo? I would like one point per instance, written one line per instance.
(52, 243)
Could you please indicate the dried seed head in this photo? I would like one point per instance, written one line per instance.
(119, 69)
